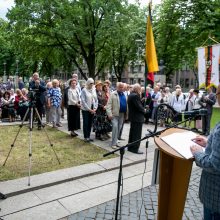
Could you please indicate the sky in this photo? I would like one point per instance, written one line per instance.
(145, 2)
(4, 5)
(7, 4)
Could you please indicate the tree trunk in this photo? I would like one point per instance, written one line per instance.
(90, 61)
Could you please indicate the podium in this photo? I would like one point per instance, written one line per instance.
(174, 178)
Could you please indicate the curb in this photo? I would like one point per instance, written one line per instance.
(15, 193)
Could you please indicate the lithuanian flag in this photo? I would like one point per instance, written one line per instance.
(151, 55)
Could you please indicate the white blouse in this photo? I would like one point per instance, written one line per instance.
(73, 96)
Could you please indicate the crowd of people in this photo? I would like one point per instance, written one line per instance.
(104, 109)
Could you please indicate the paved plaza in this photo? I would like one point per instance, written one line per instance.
(89, 191)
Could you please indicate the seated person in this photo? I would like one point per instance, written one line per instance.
(21, 104)
(7, 105)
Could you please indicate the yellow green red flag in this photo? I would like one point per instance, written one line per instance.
(151, 55)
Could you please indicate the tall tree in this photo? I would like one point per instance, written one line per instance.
(124, 45)
(79, 28)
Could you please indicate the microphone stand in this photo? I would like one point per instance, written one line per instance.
(122, 151)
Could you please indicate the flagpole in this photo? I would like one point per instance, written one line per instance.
(145, 82)
(145, 63)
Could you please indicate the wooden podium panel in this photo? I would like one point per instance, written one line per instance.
(174, 179)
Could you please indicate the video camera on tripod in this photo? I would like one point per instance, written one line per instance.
(33, 95)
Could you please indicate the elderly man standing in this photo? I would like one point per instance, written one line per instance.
(136, 117)
(116, 111)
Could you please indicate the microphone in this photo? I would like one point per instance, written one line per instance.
(196, 112)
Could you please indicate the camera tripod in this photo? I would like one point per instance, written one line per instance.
(31, 109)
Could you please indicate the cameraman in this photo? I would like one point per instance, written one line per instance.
(38, 86)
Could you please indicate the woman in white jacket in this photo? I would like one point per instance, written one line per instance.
(89, 104)
(73, 108)
(178, 104)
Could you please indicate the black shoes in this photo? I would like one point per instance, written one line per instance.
(73, 134)
(88, 140)
(137, 152)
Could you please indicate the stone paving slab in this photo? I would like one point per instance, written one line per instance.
(93, 197)
(49, 211)
(134, 183)
(60, 191)
(14, 204)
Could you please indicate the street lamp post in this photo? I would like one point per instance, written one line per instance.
(16, 74)
(4, 77)
(139, 61)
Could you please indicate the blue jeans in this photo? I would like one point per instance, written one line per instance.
(117, 122)
(209, 215)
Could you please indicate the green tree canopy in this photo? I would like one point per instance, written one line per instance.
(182, 26)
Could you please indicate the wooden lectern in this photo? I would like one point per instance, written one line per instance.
(174, 178)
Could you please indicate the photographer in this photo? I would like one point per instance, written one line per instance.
(38, 88)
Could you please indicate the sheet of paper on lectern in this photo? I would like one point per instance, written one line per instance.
(181, 142)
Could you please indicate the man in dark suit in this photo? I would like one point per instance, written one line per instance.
(38, 86)
(136, 114)
(207, 102)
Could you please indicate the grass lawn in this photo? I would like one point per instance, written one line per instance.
(215, 117)
(71, 152)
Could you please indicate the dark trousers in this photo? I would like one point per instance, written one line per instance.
(206, 121)
(134, 135)
(39, 108)
(87, 123)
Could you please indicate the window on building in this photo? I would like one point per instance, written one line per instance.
(187, 83)
(139, 68)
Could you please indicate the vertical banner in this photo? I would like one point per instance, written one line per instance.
(208, 66)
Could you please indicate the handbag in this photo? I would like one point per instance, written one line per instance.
(107, 125)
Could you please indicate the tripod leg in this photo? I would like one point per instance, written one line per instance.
(30, 145)
(16, 136)
(46, 134)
